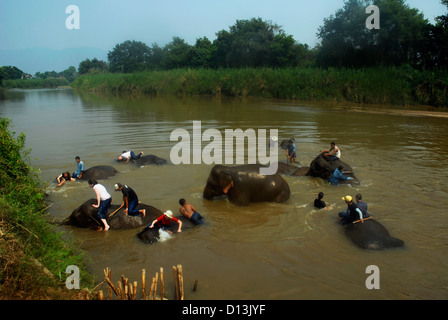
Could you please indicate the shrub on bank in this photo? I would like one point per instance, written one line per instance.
(29, 244)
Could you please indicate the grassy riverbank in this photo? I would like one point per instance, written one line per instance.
(399, 86)
(33, 255)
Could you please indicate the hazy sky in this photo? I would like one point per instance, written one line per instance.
(105, 23)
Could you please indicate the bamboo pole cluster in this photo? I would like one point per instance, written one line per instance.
(127, 290)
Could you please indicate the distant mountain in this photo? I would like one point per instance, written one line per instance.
(41, 59)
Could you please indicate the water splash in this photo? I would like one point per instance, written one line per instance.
(164, 235)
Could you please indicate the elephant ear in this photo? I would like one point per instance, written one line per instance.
(226, 182)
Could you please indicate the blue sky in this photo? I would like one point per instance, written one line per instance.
(105, 23)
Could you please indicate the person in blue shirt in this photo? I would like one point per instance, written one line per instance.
(338, 175)
(291, 151)
(79, 169)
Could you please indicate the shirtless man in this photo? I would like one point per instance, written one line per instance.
(189, 212)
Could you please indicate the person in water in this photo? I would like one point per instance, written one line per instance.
(362, 206)
(164, 221)
(338, 175)
(63, 178)
(79, 168)
(291, 151)
(189, 212)
(319, 203)
(129, 155)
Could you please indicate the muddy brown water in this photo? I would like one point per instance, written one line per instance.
(265, 251)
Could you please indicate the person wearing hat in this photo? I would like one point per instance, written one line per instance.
(165, 220)
(352, 213)
(130, 200)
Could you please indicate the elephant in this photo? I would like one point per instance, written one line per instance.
(244, 184)
(371, 235)
(98, 173)
(147, 160)
(323, 167)
(86, 216)
(150, 236)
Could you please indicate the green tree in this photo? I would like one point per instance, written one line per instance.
(345, 40)
(92, 66)
(175, 54)
(437, 43)
(201, 53)
(246, 44)
(69, 73)
(129, 56)
(10, 73)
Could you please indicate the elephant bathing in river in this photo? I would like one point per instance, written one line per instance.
(371, 235)
(244, 184)
(323, 167)
(86, 216)
(98, 173)
(144, 160)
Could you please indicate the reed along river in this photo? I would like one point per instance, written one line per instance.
(264, 251)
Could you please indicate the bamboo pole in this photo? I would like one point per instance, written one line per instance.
(181, 282)
(162, 285)
(144, 284)
(176, 282)
(155, 285)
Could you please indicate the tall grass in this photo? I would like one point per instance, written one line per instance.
(373, 85)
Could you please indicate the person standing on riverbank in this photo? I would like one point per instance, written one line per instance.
(104, 199)
(130, 200)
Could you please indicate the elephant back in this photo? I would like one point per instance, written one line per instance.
(371, 235)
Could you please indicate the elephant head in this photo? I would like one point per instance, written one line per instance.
(219, 183)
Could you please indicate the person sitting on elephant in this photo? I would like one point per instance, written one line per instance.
(189, 212)
(63, 178)
(104, 200)
(129, 155)
(130, 200)
(338, 175)
(352, 213)
(362, 205)
(334, 152)
(164, 221)
(79, 168)
(291, 151)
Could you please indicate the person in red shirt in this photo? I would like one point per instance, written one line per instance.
(165, 220)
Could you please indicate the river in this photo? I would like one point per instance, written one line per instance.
(265, 251)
